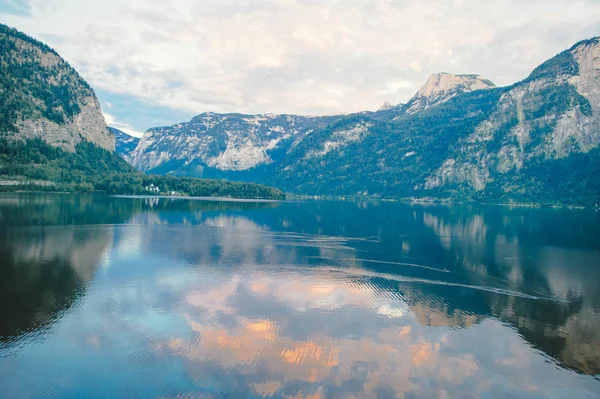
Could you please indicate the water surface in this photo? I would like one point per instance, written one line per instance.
(125, 297)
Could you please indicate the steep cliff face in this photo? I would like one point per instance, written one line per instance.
(42, 96)
(225, 142)
(441, 87)
(551, 115)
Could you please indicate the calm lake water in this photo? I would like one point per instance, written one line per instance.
(120, 297)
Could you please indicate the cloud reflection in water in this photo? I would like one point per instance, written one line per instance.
(310, 300)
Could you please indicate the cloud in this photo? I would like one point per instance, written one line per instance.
(295, 56)
(124, 127)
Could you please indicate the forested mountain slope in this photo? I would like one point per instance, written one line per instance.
(42, 96)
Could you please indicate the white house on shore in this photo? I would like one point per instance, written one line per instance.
(152, 188)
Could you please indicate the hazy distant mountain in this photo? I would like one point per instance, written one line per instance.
(125, 142)
(42, 96)
(459, 136)
(387, 111)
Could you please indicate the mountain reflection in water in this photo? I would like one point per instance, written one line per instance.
(150, 297)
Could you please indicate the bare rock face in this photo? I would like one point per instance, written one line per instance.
(88, 125)
(587, 82)
(224, 142)
(549, 116)
(441, 87)
(44, 97)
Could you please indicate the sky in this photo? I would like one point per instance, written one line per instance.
(155, 62)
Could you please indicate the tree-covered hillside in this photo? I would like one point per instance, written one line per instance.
(42, 96)
(35, 165)
(390, 159)
(53, 89)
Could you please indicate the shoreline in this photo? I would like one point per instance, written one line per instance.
(442, 201)
(132, 196)
(181, 197)
(296, 198)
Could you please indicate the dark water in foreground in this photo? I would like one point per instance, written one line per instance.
(113, 297)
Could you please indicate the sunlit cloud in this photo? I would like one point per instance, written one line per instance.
(111, 121)
(390, 356)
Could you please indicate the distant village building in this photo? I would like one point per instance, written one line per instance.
(152, 188)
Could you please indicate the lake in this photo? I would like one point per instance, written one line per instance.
(173, 298)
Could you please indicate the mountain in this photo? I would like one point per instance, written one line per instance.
(441, 87)
(249, 147)
(386, 106)
(536, 140)
(387, 111)
(44, 97)
(53, 135)
(222, 142)
(458, 137)
(540, 130)
(125, 142)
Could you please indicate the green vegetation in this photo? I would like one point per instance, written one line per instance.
(379, 164)
(35, 165)
(35, 81)
(567, 181)
(555, 99)
(563, 64)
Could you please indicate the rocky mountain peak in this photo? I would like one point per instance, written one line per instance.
(217, 143)
(386, 105)
(441, 87)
